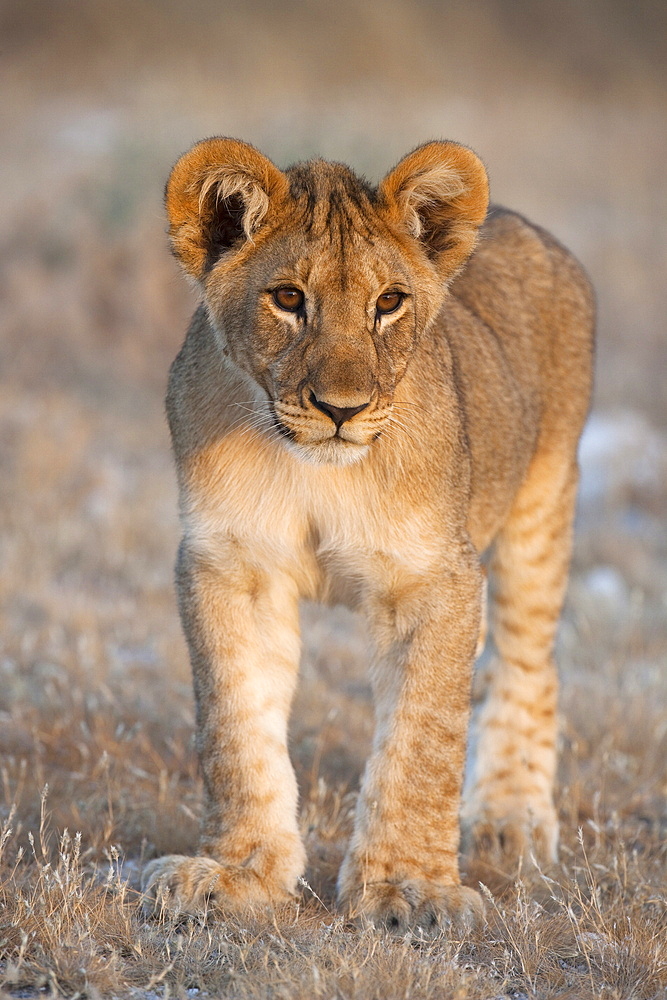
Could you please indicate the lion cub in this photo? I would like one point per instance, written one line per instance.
(362, 407)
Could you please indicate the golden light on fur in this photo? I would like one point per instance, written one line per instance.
(408, 405)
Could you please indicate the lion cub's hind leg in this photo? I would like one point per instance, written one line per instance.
(510, 811)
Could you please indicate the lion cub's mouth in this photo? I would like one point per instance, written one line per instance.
(315, 436)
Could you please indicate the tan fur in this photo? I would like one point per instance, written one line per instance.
(469, 400)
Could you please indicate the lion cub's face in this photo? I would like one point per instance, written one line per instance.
(330, 308)
(319, 286)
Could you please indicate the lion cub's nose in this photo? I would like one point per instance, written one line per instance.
(339, 414)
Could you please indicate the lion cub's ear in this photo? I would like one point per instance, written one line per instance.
(440, 194)
(217, 194)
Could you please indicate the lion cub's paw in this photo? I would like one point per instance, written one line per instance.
(505, 839)
(416, 905)
(177, 884)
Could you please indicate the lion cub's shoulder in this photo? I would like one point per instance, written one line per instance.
(512, 244)
(520, 278)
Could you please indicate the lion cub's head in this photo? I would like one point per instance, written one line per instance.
(318, 286)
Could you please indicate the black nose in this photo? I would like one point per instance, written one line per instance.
(339, 414)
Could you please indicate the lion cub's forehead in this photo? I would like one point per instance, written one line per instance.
(337, 234)
(332, 200)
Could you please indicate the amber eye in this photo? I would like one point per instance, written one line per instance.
(388, 302)
(290, 299)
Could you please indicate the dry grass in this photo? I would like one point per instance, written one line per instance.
(597, 928)
(95, 698)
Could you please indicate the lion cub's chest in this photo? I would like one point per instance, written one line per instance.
(328, 528)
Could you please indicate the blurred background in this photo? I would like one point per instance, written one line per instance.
(566, 104)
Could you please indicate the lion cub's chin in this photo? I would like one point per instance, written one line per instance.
(332, 451)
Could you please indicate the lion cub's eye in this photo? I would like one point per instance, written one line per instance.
(287, 298)
(388, 302)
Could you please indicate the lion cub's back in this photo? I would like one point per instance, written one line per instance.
(520, 322)
(537, 301)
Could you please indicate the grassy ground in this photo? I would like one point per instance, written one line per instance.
(97, 771)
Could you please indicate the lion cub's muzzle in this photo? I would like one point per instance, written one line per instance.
(331, 428)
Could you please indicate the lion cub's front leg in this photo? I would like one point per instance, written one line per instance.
(401, 870)
(242, 629)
